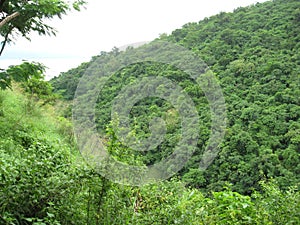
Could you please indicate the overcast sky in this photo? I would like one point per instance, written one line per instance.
(105, 24)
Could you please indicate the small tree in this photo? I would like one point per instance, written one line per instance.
(24, 16)
(21, 73)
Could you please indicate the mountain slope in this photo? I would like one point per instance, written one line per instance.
(254, 52)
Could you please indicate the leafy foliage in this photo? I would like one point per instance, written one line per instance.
(36, 177)
(254, 52)
(23, 17)
(21, 73)
(255, 178)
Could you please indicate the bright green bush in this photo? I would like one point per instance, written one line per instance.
(279, 207)
(38, 180)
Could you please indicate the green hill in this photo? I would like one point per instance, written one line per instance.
(254, 179)
(254, 53)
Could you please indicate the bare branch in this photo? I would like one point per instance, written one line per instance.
(9, 18)
(5, 40)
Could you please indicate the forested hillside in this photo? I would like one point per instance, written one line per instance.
(254, 52)
(255, 177)
(44, 180)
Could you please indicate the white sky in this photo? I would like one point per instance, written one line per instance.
(105, 24)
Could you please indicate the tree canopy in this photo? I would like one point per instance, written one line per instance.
(254, 52)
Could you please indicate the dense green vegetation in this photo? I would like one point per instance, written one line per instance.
(254, 52)
(255, 177)
(45, 181)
